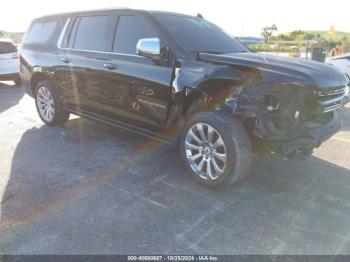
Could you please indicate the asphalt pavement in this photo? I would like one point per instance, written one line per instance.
(87, 188)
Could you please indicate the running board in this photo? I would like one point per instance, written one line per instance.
(128, 127)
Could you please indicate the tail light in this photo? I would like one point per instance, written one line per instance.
(15, 56)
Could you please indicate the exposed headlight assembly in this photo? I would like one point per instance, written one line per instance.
(347, 91)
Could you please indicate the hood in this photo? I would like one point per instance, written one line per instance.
(276, 69)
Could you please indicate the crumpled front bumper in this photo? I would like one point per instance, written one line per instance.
(318, 133)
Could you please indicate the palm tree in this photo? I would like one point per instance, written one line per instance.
(267, 32)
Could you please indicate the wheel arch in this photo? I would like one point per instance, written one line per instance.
(203, 97)
(38, 76)
(199, 86)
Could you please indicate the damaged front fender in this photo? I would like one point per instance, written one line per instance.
(199, 86)
(193, 75)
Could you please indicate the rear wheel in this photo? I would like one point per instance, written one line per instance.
(216, 149)
(49, 107)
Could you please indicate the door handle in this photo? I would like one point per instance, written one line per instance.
(110, 66)
(65, 60)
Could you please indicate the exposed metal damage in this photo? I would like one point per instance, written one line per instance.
(281, 107)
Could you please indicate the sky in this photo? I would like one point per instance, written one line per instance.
(240, 18)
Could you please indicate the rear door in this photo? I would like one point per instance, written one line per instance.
(81, 71)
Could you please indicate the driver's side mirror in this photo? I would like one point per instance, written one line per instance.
(148, 47)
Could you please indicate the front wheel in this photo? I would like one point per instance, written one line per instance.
(216, 149)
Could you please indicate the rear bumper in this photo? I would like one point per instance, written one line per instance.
(9, 77)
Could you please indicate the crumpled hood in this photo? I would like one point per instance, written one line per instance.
(283, 70)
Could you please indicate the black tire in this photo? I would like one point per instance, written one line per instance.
(60, 115)
(237, 145)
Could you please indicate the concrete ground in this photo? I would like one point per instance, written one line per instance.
(87, 188)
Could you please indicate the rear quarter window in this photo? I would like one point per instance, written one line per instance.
(43, 34)
(7, 47)
(40, 32)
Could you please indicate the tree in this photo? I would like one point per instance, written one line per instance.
(267, 32)
(296, 34)
(308, 36)
(284, 37)
(2, 33)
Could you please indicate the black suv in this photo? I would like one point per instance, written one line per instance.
(178, 77)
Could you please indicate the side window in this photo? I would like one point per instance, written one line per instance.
(93, 34)
(130, 30)
(40, 32)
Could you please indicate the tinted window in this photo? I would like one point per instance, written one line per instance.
(92, 34)
(40, 32)
(7, 47)
(130, 30)
(195, 34)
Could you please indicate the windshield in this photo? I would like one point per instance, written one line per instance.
(195, 34)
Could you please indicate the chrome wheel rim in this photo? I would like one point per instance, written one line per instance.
(45, 104)
(205, 151)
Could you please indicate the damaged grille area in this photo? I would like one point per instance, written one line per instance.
(331, 98)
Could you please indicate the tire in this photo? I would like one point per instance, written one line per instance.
(236, 147)
(46, 97)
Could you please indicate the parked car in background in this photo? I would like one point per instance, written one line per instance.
(343, 63)
(168, 75)
(9, 62)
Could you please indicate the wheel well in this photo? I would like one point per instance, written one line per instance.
(36, 78)
(195, 103)
(206, 97)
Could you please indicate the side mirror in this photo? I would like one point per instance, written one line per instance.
(148, 47)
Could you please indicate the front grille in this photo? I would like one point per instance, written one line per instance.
(331, 99)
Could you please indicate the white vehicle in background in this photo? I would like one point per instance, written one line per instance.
(9, 63)
(343, 63)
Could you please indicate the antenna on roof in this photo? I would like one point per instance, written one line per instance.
(200, 16)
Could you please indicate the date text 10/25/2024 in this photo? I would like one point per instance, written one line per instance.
(173, 258)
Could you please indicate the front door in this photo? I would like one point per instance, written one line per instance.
(138, 89)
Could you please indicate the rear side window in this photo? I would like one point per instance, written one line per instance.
(40, 32)
(130, 30)
(7, 47)
(92, 34)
